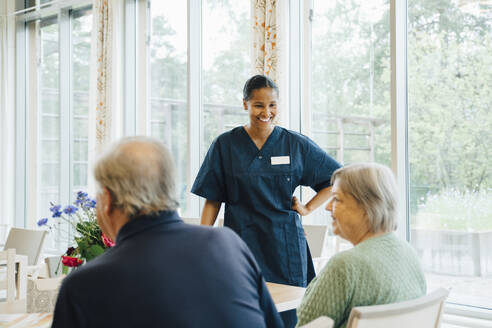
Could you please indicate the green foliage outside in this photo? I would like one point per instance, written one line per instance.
(450, 101)
(454, 210)
(222, 81)
(449, 95)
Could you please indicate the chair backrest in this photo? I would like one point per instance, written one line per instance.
(321, 322)
(53, 266)
(423, 312)
(26, 242)
(15, 282)
(7, 258)
(315, 235)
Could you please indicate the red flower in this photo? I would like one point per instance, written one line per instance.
(71, 261)
(107, 241)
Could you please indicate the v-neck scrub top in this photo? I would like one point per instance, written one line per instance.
(257, 187)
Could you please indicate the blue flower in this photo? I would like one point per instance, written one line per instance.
(57, 214)
(42, 222)
(70, 209)
(55, 208)
(82, 195)
(90, 203)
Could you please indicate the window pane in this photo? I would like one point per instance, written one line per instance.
(49, 178)
(79, 176)
(351, 79)
(168, 86)
(226, 66)
(81, 50)
(51, 150)
(80, 126)
(50, 126)
(350, 88)
(80, 151)
(48, 152)
(449, 74)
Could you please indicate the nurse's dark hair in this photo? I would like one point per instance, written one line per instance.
(257, 82)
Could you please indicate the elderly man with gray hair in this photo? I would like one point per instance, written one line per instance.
(380, 268)
(162, 272)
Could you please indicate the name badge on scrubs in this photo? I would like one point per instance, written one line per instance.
(279, 160)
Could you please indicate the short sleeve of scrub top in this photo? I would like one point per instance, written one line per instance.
(210, 181)
(318, 167)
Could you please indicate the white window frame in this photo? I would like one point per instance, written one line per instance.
(26, 112)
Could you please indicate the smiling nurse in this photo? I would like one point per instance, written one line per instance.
(254, 169)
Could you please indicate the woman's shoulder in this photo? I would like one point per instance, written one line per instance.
(296, 137)
(225, 138)
(354, 257)
(388, 240)
(228, 135)
(342, 261)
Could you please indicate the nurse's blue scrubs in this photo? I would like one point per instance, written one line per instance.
(257, 187)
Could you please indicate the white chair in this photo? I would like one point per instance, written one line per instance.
(316, 235)
(321, 322)
(29, 243)
(423, 312)
(26, 242)
(54, 266)
(15, 282)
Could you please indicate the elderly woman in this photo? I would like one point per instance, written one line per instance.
(380, 268)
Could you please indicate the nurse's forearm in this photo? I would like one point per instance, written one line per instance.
(318, 199)
(210, 212)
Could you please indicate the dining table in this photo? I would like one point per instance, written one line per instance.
(285, 298)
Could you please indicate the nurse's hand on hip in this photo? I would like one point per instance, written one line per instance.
(300, 208)
(315, 202)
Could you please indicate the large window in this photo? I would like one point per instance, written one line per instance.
(450, 101)
(58, 56)
(350, 80)
(81, 52)
(226, 66)
(46, 33)
(349, 95)
(168, 87)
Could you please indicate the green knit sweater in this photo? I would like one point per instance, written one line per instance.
(380, 270)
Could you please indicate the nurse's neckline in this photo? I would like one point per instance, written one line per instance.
(259, 140)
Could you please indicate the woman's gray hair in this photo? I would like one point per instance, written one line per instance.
(139, 174)
(374, 187)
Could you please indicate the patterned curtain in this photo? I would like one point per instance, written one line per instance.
(104, 56)
(265, 39)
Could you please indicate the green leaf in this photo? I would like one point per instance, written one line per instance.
(93, 251)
